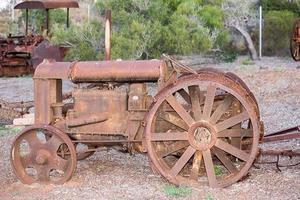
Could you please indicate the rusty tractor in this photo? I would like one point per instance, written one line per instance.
(295, 41)
(20, 55)
(196, 120)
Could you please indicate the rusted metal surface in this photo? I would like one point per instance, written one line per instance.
(47, 4)
(187, 128)
(119, 71)
(20, 55)
(287, 134)
(295, 41)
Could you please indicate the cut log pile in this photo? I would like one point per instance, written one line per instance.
(17, 113)
(9, 111)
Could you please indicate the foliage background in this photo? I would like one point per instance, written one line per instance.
(150, 28)
(279, 18)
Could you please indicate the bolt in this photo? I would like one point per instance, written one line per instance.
(143, 123)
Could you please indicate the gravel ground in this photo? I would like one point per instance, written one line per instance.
(110, 174)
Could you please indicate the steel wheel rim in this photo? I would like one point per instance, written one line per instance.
(43, 157)
(196, 79)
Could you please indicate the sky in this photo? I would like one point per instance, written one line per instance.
(3, 4)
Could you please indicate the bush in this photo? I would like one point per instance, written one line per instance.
(86, 41)
(151, 28)
(165, 26)
(277, 30)
(279, 5)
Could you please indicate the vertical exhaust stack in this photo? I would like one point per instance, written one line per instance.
(107, 34)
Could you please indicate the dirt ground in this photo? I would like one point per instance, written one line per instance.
(110, 174)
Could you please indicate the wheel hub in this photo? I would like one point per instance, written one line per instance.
(42, 157)
(202, 136)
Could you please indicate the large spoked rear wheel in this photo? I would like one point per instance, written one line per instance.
(192, 128)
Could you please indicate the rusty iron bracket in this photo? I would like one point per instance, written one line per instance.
(287, 134)
(182, 66)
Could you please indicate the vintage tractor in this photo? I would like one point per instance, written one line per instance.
(197, 121)
(295, 41)
(20, 55)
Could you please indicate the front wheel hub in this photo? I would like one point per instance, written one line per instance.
(42, 157)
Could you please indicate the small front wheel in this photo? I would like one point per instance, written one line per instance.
(36, 155)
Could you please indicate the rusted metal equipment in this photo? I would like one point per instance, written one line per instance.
(197, 121)
(287, 134)
(283, 135)
(20, 55)
(295, 41)
(47, 5)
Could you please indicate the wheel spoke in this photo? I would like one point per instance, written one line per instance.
(221, 109)
(176, 146)
(43, 173)
(225, 160)
(235, 133)
(184, 95)
(182, 161)
(232, 121)
(195, 100)
(232, 150)
(61, 164)
(169, 136)
(180, 110)
(196, 165)
(27, 160)
(173, 119)
(296, 51)
(209, 166)
(209, 101)
(32, 139)
(54, 142)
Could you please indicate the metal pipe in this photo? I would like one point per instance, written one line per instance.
(260, 32)
(47, 21)
(68, 17)
(107, 34)
(123, 71)
(26, 28)
(291, 133)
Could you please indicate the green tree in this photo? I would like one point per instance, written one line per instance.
(279, 18)
(278, 26)
(161, 26)
(84, 42)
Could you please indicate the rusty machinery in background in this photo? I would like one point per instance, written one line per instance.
(20, 55)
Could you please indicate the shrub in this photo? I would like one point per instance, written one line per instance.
(152, 28)
(278, 26)
(271, 5)
(86, 41)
